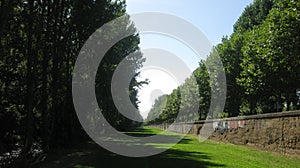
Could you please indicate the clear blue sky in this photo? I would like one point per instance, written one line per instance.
(215, 18)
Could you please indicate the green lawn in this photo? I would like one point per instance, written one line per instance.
(189, 153)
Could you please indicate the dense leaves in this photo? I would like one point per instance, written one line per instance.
(39, 43)
(261, 60)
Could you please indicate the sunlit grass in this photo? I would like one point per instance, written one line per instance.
(229, 155)
(189, 153)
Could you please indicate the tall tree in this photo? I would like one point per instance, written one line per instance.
(40, 41)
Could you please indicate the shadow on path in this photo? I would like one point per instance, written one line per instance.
(90, 155)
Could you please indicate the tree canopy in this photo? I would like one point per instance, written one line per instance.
(39, 44)
(261, 60)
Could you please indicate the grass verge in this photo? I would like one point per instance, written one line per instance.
(189, 153)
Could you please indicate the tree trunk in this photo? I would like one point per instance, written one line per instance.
(30, 85)
(58, 12)
(252, 105)
(44, 96)
(288, 102)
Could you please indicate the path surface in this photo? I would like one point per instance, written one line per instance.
(189, 153)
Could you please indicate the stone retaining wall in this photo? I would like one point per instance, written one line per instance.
(279, 132)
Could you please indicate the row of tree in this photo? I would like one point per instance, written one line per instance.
(39, 44)
(261, 61)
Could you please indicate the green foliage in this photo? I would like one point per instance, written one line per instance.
(39, 43)
(271, 56)
(202, 77)
(254, 14)
(194, 93)
(261, 60)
